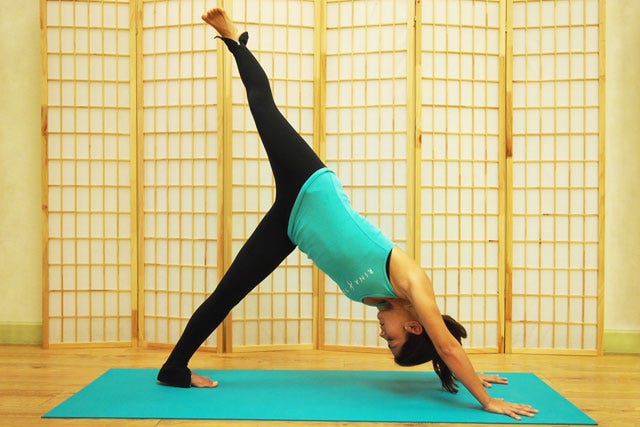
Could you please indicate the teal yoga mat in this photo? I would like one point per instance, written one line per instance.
(378, 396)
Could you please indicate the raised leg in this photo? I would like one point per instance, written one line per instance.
(219, 20)
(292, 159)
(292, 162)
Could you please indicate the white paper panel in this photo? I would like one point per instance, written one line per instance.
(366, 143)
(180, 166)
(459, 165)
(281, 36)
(555, 174)
(89, 224)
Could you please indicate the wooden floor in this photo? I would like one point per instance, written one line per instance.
(35, 380)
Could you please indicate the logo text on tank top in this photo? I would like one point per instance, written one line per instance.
(360, 279)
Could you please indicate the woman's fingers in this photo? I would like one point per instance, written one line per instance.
(487, 380)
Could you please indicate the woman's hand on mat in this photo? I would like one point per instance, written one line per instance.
(487, 380)
(202, 382)
(514, 410)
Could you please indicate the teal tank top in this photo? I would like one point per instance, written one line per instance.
(342, 243)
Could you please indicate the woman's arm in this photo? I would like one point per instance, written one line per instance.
(446, 345)
(411, 281)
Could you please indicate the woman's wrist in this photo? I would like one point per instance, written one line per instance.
(485, 400)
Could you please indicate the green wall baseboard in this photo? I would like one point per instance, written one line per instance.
(615, 341)
(621, 341)
(20, 333)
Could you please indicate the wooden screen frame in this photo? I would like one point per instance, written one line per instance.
(505, 285)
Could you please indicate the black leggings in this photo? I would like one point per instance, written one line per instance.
(292, 162)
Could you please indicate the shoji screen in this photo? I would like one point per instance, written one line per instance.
(556, 197)
(366, 137)
(469, 131)
(281, 36)
(180, 165)
(88, 294)
(458, 167)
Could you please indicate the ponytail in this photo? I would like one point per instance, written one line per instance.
(419, 349)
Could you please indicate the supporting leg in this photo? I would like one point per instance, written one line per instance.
(267, 247)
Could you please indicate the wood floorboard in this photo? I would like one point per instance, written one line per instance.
(35, 380)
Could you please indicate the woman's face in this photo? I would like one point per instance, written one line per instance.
(395, 322)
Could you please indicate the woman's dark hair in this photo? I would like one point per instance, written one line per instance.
(419, 349)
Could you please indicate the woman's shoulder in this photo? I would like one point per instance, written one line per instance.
(406, 275)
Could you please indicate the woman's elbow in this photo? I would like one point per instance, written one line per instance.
(449, 349)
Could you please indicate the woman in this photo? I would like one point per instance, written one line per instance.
(312, 212)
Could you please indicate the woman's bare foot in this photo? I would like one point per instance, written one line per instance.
(202, 382)
(219, 20)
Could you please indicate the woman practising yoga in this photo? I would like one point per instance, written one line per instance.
(312, 212)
